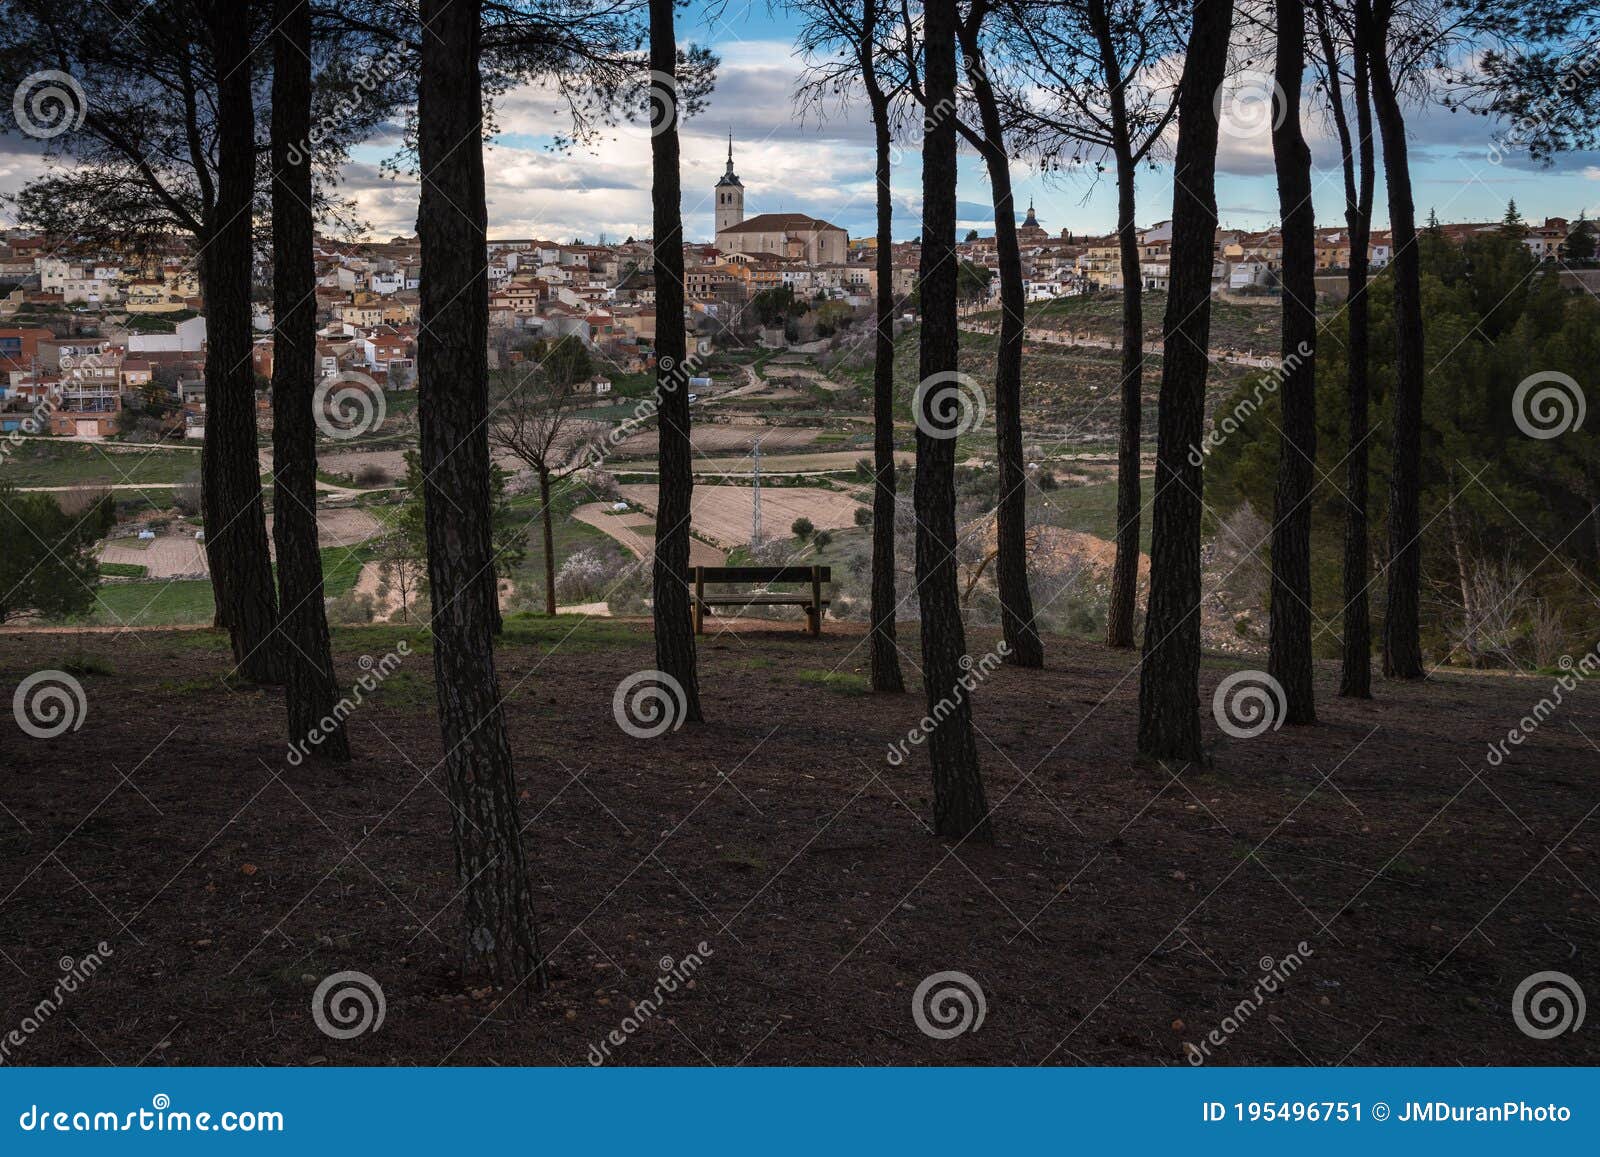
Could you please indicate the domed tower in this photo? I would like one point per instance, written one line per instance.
(730, 195)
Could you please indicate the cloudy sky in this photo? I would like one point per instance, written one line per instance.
(824, 166)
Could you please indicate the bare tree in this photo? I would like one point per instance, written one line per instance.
(530, 422)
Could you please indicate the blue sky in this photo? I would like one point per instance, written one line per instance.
(824, 165)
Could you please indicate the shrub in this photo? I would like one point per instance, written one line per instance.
(863, 516)
(801, 528)
(186, 495)
(354, 607)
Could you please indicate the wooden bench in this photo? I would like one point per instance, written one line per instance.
(810, 601)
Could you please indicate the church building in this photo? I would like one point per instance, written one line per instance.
(790, 235)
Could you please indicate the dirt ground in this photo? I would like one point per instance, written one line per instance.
(723, 513)
(724, 439)
(1125, 910)
(173, 555)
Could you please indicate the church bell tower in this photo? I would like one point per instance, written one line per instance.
(730, 195)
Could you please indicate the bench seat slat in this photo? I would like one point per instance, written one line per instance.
(762, 600)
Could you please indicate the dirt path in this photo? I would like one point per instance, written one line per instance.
(620, 527)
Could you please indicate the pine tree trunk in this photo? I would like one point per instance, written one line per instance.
(549, 545)
(1289, 636)
(1355, 670)
(1169, 679)
(1123, 610)
(960, 808)
(235, 520)
(675, 651)
(1017, 626)
(1402, 642)
(885, 652)
(310, 692)
(501, 938)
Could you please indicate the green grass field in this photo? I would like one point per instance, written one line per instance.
(42, 463)
(162, 603)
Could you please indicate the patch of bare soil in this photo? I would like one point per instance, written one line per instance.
(724, 513)
(1127, 908)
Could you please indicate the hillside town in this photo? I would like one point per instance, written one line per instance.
(95, 344)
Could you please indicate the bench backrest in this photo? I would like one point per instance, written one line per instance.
(760, 574)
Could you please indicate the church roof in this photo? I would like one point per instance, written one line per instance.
(781, 223)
